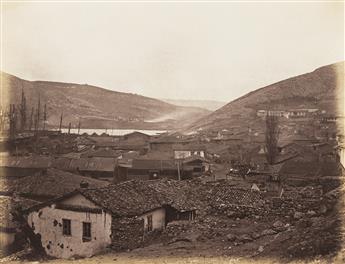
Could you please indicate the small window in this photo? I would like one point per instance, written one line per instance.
(66, 227)
(86, 230)
(149, 223)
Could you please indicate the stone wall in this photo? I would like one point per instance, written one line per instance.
(127, 233)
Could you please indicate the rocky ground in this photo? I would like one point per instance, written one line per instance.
(280, 236)
(304, 226)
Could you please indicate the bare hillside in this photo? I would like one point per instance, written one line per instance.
(322, 89)
(94, 106)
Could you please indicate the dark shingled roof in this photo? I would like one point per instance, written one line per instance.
(103, 153)
(189, 147)
(85, 164)
(36, 162)
(154, 164)
(133, 198)
(158, 155)
(137, 197)
(52, 184)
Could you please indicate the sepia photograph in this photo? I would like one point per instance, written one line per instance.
(152, 131)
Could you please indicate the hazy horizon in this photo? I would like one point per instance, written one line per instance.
(179, 51)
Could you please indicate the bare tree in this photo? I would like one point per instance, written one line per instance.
(38, 113)
(22, 112)
(12, 116)
(60, 126)
(45, 117)
(2, 119)
(31, 118)
(272, 136)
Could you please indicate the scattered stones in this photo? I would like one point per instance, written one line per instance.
(303, 223)
(278, 224)
(261, 249)
(298, 215)
(311, 213)
(316, 221)
(231, 237)
(244, 238)
(323, 209)
(256, 235)
(268, 232)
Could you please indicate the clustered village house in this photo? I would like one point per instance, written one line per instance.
(86, 221)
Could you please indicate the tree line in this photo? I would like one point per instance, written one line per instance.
(18, 118)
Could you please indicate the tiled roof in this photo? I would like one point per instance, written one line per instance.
(193, 158)
(137, 197)
(101, 164)
(153, 164)
(52, 184)
(171, 139)
(62, 163)
(124, 146)
(37, 162)
(101, 153)
(158, 155)
(191, 147)
(133, 198)
(85, 164)
(102, 139)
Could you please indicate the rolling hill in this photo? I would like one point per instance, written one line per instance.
(207, 104)
(96, 107)
(322, 89)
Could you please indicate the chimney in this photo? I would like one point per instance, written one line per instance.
(84, 184)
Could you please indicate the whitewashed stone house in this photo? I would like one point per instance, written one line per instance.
(87, 221)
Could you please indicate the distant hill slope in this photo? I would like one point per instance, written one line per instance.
(96, 107)
(207, 104)
(322, 89)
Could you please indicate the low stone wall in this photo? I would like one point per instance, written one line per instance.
(127, 233)
(236, 211)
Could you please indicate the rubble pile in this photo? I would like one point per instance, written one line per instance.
(305, 200)
(224, 200)
(201, 230)
(315, 224)
(126, 233)
(308, 192)
(315, 236)
(306, 222)
(179, 230)
(287, 207)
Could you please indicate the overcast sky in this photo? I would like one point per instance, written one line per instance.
(214, 51)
